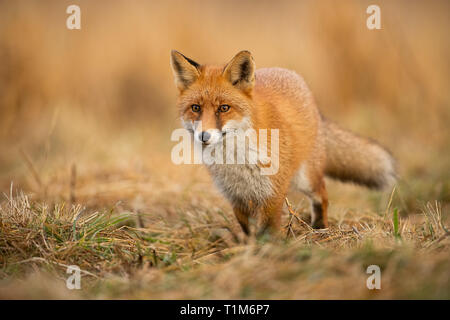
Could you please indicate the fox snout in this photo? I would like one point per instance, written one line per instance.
(209, 136)
(204, 136)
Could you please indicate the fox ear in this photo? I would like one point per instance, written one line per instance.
(240, 71)
(184, 70)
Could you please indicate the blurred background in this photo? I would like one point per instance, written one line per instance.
(86, 115)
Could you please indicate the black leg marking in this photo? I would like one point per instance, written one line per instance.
(317, 218)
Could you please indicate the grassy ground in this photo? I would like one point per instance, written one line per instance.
(196, 253)
(86, 177)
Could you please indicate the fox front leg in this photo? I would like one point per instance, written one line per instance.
(242, 214)
(270, 216)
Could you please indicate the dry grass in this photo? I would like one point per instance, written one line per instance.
(85, 123)
(198, 254)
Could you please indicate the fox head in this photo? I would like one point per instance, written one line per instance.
(214, 100)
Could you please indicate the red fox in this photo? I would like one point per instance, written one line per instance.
(236, 96)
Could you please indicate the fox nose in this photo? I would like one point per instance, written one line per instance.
(204, 136)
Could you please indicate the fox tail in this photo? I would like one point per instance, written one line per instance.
(351, 158)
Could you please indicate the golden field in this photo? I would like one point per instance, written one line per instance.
(85, 171)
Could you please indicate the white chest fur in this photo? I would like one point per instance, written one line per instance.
(239, 181)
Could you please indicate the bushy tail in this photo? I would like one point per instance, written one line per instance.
(355, 159)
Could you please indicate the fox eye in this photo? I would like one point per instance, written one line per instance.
(195, 108)
(224, 108)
